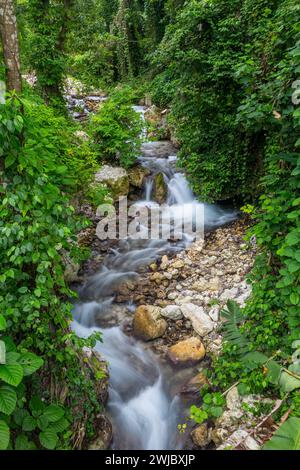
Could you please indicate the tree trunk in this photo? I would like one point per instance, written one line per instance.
(10, 44)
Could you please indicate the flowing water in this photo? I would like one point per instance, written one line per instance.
(144, 404)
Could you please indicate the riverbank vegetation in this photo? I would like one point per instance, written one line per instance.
(228, 73)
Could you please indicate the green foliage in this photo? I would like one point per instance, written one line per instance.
(232, 333)
(212, 407)
(287, 437)
(226, 68)
(40, 161)
(117, 129)
(15, 365)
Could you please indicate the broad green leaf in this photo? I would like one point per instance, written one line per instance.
(295, 298)
(36, 405)
(60, 425)
(30, 363)
(20, 415)
(22, 443)
(4, 435)
(43, 422)
(54, 413)
(48, 439)
(287, 382)
(3, 324)
(273, 372)
(8, 400)
(12, 374)
(29, 424)
(287, 437)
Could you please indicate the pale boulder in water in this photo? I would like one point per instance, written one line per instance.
(201, 322)
(148, 323)
(116, 178)
(189, 351)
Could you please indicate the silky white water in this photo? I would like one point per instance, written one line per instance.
(143, 408)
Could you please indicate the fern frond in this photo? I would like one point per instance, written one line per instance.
(233, 317)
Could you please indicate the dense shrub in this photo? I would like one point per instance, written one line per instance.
(40, 170)
(117, 129)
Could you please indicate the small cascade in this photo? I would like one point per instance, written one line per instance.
(149, 189)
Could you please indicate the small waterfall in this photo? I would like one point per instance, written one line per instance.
(179, 190)
(149, 189)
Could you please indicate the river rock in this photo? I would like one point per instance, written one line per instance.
(233, 401)
(159, 149)
(160, 189)
(204, 285)
(229, 294)
(116, 178)
(214, 313)
(201, 322)
(137, 175)
(200, 435)
(240, 438)
(148, 323)
(173, 312)
(71, 268)
(189, 351)
(104, 434)
(194, 385)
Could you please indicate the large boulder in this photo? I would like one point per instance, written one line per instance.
(189, 351)
(148, 323)
(201, 322)
(116, 178)
(137, 175)
(160, 189)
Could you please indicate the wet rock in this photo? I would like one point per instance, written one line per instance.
(104, 434)
(159, 149)
(219, 435)
(233, 401)
(200, 436)
(148, 323)
(160, 189)
(164, 262)
(214, 313)
(173, 312)
(195, 384)
(116, 178)
(179, 264)
(189, 351)
(71, 269)
(172, 295)
(137, 175)
(201, 322)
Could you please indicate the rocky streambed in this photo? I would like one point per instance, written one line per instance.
(157, 305)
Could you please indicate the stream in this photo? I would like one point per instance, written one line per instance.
(145, 406)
